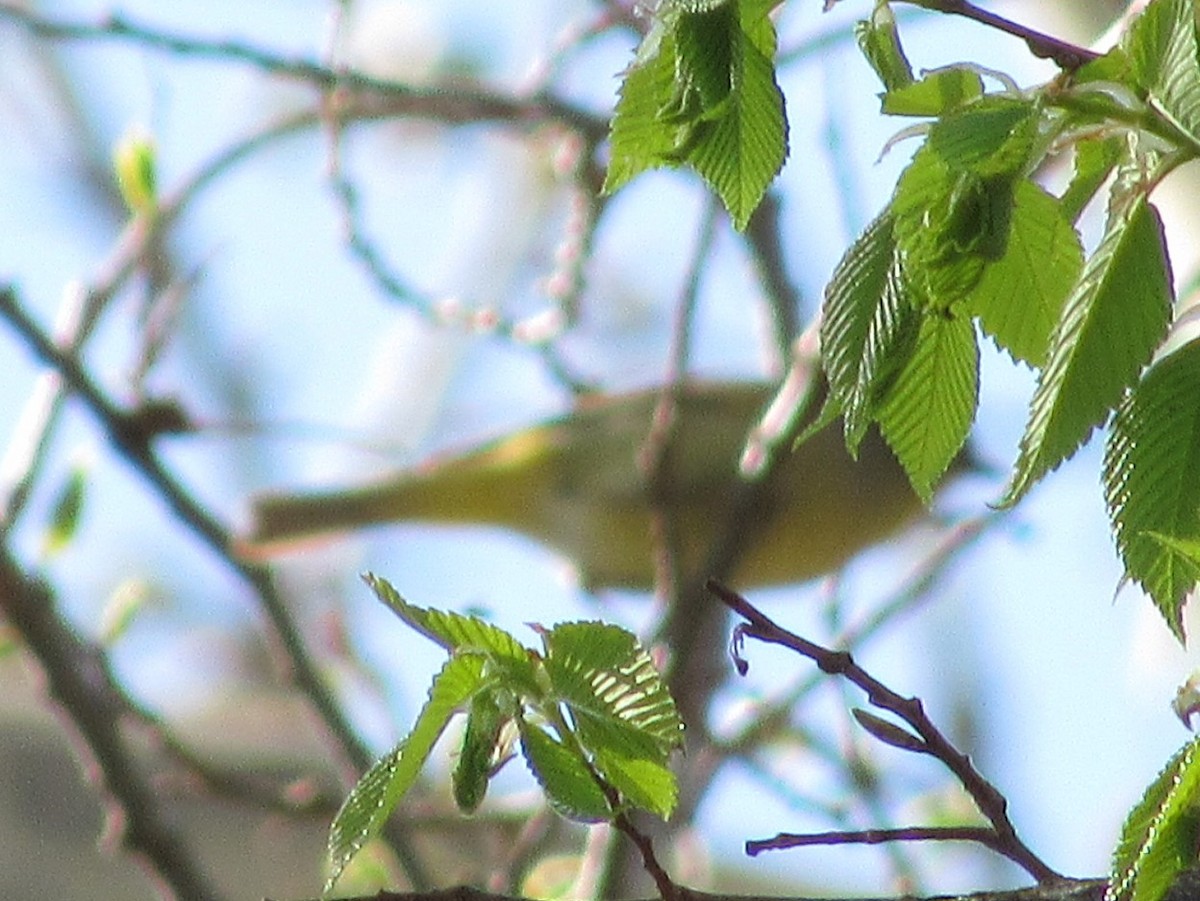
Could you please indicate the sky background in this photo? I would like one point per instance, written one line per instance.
(1064, 680)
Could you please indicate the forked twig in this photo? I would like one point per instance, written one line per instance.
(925, 738)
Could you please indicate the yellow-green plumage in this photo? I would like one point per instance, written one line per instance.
(577, 484)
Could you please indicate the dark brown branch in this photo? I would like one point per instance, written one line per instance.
(1067, 890)
(980, 835)
(1065, 55)
(991, 803)
(134, 444)
(79, 680)
(667, 889)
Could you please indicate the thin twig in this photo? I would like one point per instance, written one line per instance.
(1065, 55)
(655, 454)
(84, 304)
(764, 237)
(991, 803)
(980, 835)
(657, 463)
(667, 889)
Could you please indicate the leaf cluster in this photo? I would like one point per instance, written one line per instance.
(589, 713)
(702, 93)
(974, 244)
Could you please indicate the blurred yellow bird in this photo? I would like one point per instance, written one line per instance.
(578, 484)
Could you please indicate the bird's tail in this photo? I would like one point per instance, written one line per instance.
(289, 521)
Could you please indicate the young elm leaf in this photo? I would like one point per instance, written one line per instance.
(68, 506)
(1159, 838)
(1115, 317)
(615, 695)
(377, 793)
(1150, 465)
(568, 781)
(879, 40)
(936, 94)
(457, 633)
(476, 757)
(645, 783)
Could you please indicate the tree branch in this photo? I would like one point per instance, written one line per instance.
(1065, 55)
(134, 444)
(928, 739)
(79, 680)
(1066, 890)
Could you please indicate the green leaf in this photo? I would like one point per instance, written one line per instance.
(868, 326)
(1153, 494)
(1019, 296)
(639, 139)
(1110, 325)
(936, 94)
(928, 412)
(616, 697)
(891, 337)
(457, 633)
(953, 204)
(992, 137)
(1188, 548)
(879, 40)
(477, 756)
(854, 291)
(648, 784)
(743, 151)
(568, 782)
(135, 165)
(1094, 161)
(702, 92)
(703, 64)
(377, 793)
(1163, 52)
(1159, 838)
(65, 515)
(1113, 66)
(127, 601)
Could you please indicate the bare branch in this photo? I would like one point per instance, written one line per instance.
(1067, 890)
(991, 803)
(79, 680)
(1065, 55)
(978, 834)
(134, 444)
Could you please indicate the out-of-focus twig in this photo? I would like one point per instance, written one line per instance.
(764, 237)
(84, 303)
(79, 680)
(134, 445)
(444, 103)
